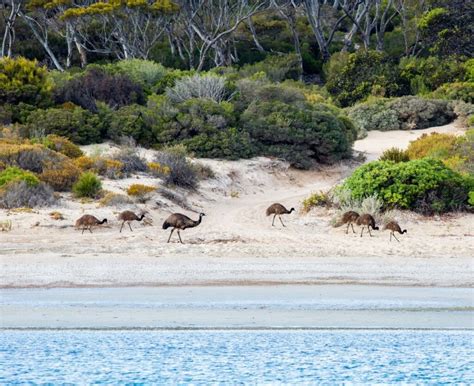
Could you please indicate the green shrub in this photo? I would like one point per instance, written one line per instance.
(62, 145)
(275, 67)
(131, 121)
(301, 133)
(463, 91)
(405, 113)
(20, 194)
(78, 125)
(16, 174)
(23, 80)
(207, 86)
(361, 74)
(426, 185)
(394, 154)
(471, 198)
(316, 199)
(170, 78)
(88, 185)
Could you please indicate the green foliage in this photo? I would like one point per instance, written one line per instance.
(405, 113)
(23, 80)
(299, 133)
(316, 199)
(361, 74)
(471, 198)
(463, 91)
(16, 174)
(74, 123)
(88, 185)
(394, 154)
(434, 145)
(424, 185)
(131, 121)
(62, 145)
(276, 68)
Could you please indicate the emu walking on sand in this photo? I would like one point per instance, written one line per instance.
(349, 218)
(393, 227)
(127, 217)
(277, 210)
(366, 220)
(88, 221)
(180, 222)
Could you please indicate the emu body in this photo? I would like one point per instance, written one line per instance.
(366, 220)
(88, 221)
(127, 217)
(180, 222)
(349, 218)
(393, 227)
(277, 210)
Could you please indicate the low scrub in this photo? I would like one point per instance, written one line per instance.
(20, 194)
(435, 145)
(88, 185)
(60, 176)
(114, 199)
(181, 171)
(395, 154)
(316, 199)
(131, 161)
(14, 174)
(62, 145)
(426, 185)
(140, 192)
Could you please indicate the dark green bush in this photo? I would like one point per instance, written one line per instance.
(74, 123)
(88, 185)
(463, 91)
(131, 121)
(275, 67)
(300, 133)
(362, 74)
(426, 185)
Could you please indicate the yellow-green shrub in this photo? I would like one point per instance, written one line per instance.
(62, 145)
(140, 192)
(316, 199)
(62, 176)
(157, 169)
(84, 163)
(88, 185)
(12, 174)
(434, 145)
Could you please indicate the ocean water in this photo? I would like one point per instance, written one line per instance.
(237, 356)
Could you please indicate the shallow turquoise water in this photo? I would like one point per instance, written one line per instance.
(237, 356)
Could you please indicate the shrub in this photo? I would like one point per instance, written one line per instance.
(471, 198)
(463, 91)
(316, 199)
(84, 163)
(88, 185)
(169, 80)
(181, 171)
(144, 72)
(394, 154)
(275, 67)
(361, 74)
(140, 192)
(435, 145)
(131, 121)
(198, 86)
(131, 160)
(20, 194)
(403, 113)
(23, 80)
(61, 176)
(157, 170)
(424, 185)
(114, 199)
(98, 85)
(62, 145)
(299, 133)
(109, 168)
(16, 174)
(32, 157)
(76, 124)
(203, 171)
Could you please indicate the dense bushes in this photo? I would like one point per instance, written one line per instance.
(463, 91)
(72, 122)
(96, 84)
(424, 185)
(403, 113)
(14, 174)
(18, 194)
(23, 80)
(302, 134)
(198, 86)
(354, 77)
(88, 185)
(275, 67)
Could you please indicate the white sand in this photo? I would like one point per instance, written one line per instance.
(236, 243)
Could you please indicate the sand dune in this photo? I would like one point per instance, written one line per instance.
(236, 242)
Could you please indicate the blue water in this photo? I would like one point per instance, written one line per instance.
(236, 356)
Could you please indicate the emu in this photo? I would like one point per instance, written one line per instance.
(127, 217)
(277, 210)
(349, 218)
(88, 221)
(393, 227)
(366, 220)
(180, 222)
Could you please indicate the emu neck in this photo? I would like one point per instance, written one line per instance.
(141, 217)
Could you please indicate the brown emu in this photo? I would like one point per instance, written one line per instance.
(180, 222)
(277, 210)
(88, 221)
(349, 218)
(393, 227)
(127, 217)
(366, 220)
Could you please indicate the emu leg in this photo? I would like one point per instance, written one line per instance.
(347, 229)
(83, 229)
(179, 235)
(169, 238)
(281, 221)
(122, 227)
(130, 226)
(90, 229)
(395, 237)
(391, 236)
(368, 228)
(273, 222)
(362, 231)
(353, 230)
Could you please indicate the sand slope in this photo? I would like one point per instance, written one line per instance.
(236, 242)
